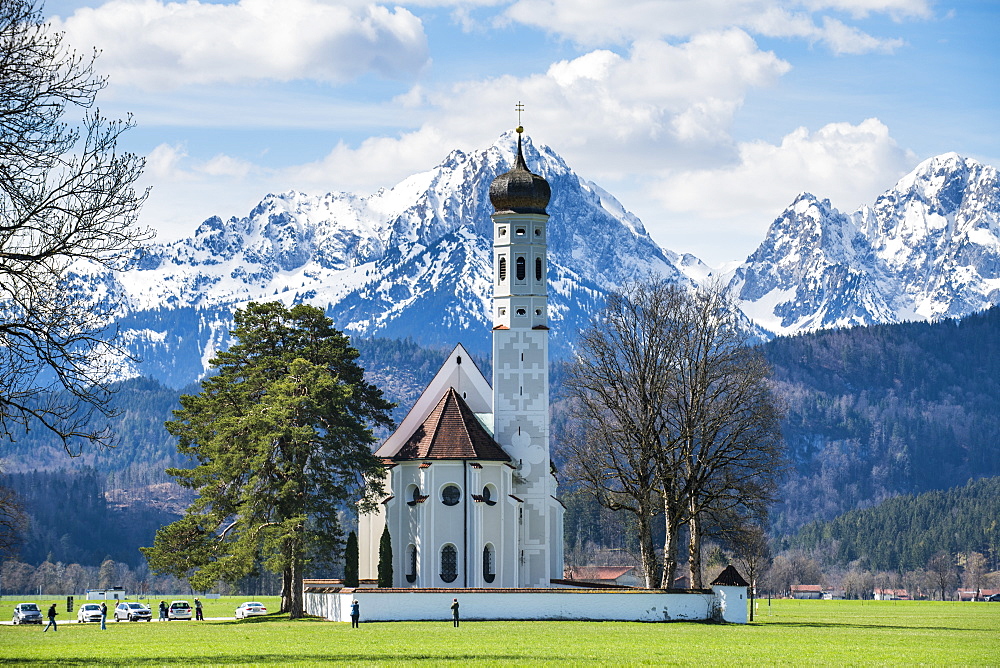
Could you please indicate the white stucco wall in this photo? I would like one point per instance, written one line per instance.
(553, 604)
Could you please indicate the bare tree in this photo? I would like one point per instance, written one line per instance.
(941, 573)
(752, 553)
(723, 419)
(13, 521)
(974, 575)
(617, 390)
(67, 206)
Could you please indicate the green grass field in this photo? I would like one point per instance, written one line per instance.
(834, 633)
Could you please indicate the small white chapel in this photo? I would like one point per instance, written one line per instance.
(471, 489)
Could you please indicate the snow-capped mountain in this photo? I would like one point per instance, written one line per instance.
(928, 248)
(414, 260)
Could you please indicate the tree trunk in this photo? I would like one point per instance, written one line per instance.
(286, 589)
(296, 608)
(694, 551)
(650, 567)
(669, 546)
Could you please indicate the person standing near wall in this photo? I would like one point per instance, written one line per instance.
(355, 614)
(454, 611)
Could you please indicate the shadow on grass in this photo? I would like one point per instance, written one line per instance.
(836, 625)
(273, 617)
(284, 659)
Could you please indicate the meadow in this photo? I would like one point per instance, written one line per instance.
(816, 633)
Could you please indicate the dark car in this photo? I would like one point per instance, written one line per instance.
(995, 598)
(27, 613)
(133, 612)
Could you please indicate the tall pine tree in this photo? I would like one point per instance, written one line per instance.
(281, 438)
(385, 559)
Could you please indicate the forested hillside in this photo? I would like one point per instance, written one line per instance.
(904, 532)
(874, 412)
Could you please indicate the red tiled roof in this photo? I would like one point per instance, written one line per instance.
(451, 431)
(597, 572)
(804, 588)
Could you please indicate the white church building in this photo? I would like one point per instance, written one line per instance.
(471, 489)
(471, 502)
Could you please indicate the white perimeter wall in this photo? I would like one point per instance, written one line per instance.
(643, 606)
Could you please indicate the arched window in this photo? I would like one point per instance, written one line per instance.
(521, 269)
(451, 495)
(538, 268)
(488, 495)
(449, 563)
(502, 270)
(489, 565)
(411, 563)
(414, 495)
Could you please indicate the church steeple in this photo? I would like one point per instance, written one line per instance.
(520, 191)
(521, 360)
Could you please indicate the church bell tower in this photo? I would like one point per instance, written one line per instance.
(521, 364)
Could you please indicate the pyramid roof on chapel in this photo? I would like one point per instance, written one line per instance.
(451, 431)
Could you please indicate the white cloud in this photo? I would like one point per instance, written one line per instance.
(154, 44)
(598, 22)
(849, 164)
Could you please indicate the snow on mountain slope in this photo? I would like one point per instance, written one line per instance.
(413, 260)
(928, 248)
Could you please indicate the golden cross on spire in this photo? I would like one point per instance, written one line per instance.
(519, 108)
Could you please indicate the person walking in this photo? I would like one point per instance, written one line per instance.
(163, 611)
(454, 611)
(355, 614)
(52, 619)
(197, 611)
(104, 615)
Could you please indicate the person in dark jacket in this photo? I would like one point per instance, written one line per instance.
(163, 611)
(52, 619)
(454, 611)
(104, 615)
(355, 614)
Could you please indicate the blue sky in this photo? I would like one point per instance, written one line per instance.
(704, 117)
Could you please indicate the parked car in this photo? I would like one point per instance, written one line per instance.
(27, 613)
(250, 609)
(179, 610)
(994, 597)
(88, 612)
(133, 612)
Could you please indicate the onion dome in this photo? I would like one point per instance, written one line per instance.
(519, 191)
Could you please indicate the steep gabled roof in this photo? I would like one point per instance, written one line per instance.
(730, 577)
(451, 431)
(460, 372)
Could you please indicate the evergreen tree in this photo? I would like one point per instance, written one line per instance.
(385, 559)
(351, 561)
(281, 438)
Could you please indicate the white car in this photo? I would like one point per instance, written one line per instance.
(179, 610)
(250, 609)
(133, 612)
(88, 612)
(27, 613)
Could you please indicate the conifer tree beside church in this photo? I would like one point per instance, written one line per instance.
(385, 559)
(280, 437)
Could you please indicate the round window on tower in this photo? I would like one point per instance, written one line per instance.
(520, 232)
(521, 311)
(451, 495)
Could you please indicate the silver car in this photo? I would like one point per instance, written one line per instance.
(27, 613)
(132, 612)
